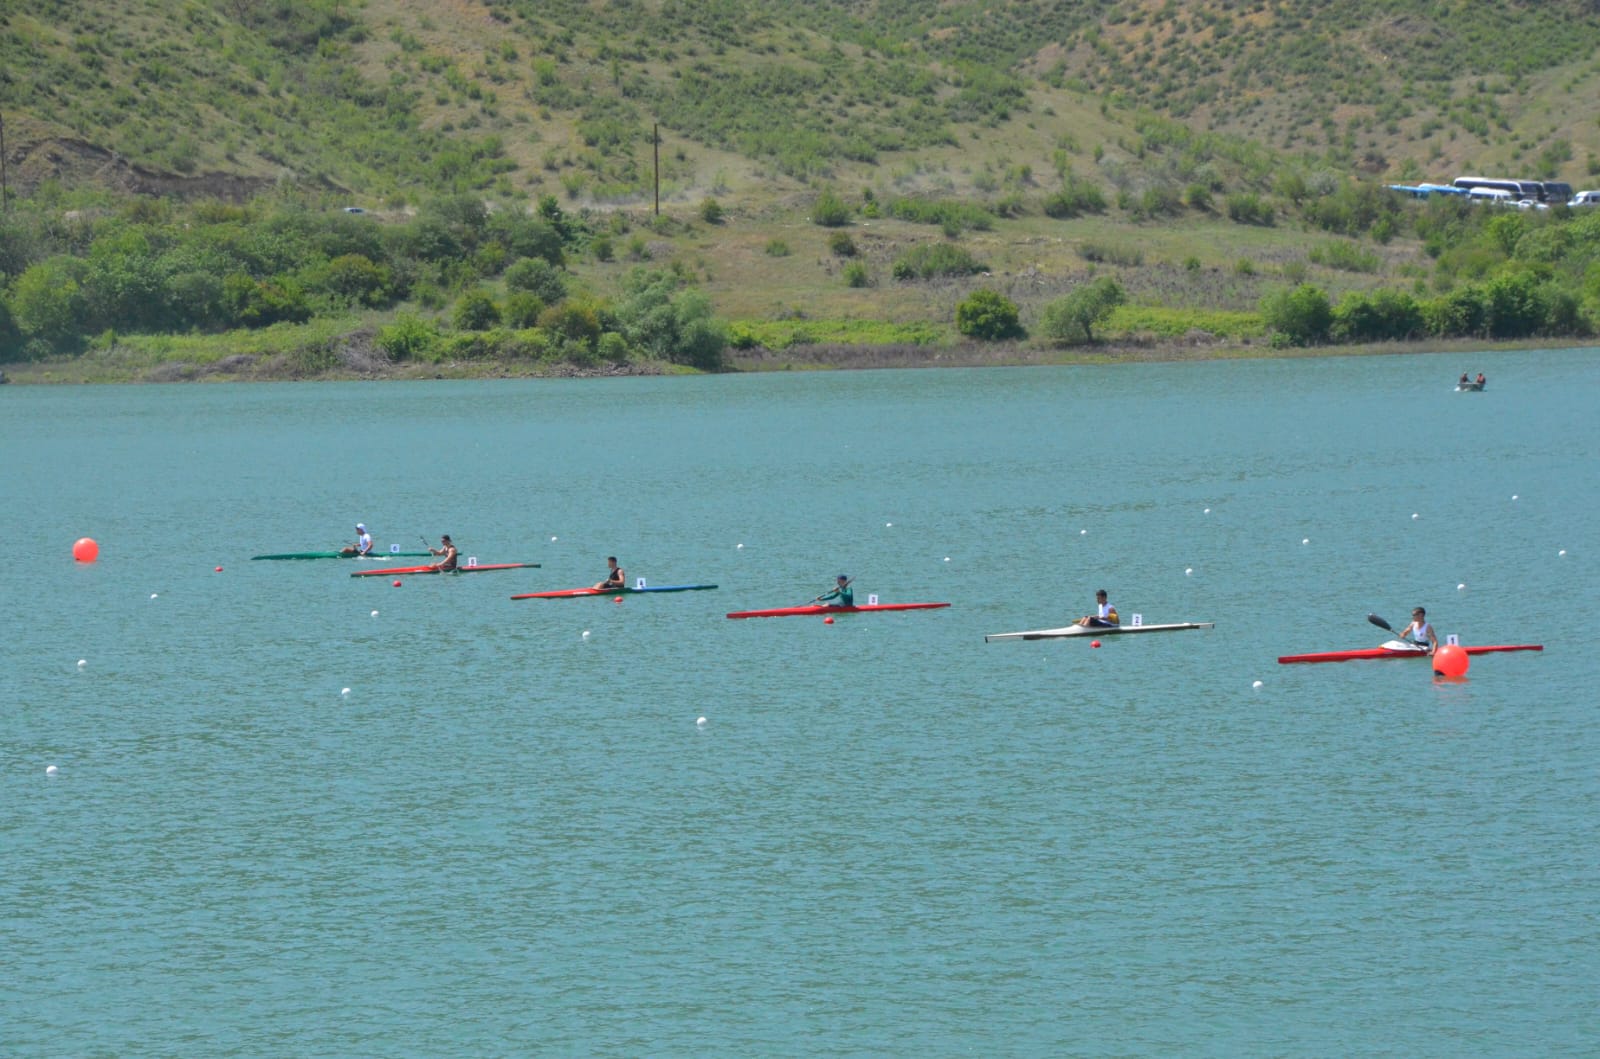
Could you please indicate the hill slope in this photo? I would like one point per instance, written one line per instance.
(385, 99)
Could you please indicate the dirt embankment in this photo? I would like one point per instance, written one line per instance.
(76, 162)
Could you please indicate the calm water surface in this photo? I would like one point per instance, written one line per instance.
(887, 837)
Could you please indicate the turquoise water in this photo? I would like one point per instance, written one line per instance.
(887, 836)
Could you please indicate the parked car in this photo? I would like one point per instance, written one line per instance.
(354, 209)
(1585, 198)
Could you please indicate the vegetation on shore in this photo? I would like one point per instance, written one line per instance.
(935, 184)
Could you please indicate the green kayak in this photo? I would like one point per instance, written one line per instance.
(342, 555)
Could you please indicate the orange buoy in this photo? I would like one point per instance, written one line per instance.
(828, 620)
(1451, 660)
(397, 582)
(85, 550)
(1094, 643)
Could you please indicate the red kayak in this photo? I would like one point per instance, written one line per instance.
(479, 569)
(787, 612)
(1398, 649)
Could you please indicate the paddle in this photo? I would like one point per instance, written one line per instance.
(818, 599)
(1380, 623)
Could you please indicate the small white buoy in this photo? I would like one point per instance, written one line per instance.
(152, 595)
(1208, 511)
(344, 691)
(886, 525)
(1462, 587)
(553, 538)
(1563, 551)
(1305, 540)
(738, 546)
(1415, 516)
(1188, 571)
(1083, 533)
(700, 722)
(947, 558)
(1257, 684)
(1513, 496)
(374, 614)
(49, 770)
(586, 634)
(84, 661)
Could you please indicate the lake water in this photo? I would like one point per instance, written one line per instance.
(887, 837)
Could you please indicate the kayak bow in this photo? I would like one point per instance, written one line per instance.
(788, 612)
(574, 593)
(1398, 649)
(1090, 630)
(481, 568)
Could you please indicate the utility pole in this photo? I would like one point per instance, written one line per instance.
(5, 188)
(655, 144)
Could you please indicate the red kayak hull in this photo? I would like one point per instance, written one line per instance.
(789, 612)
(1384, 652)
(479, 569)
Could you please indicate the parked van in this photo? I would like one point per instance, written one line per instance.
(1482, 194)
(1585, 198)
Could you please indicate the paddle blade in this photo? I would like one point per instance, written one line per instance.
(1379, 622)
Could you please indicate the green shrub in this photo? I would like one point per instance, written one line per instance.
(536, 276)
(1301, 315)
(988, 315)
(1380, 316)
(1103, 253)
(711, 211)
(829, 210)
(1071, 319)
(777, 248)
(841, 245)
(522, 309)
(1076, 196)
(602, 248)
(855, 275)
(1347, 257)
(476, 311)
(1246, 207)
(613, 347)
(927, 260)
(408, 338)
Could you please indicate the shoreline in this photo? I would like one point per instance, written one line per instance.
(107, 367)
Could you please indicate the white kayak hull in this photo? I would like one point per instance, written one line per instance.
(1092, 630)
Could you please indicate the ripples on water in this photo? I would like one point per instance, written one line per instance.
(888, 836)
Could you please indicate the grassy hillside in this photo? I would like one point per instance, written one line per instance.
(1205, 154)
(387, 99)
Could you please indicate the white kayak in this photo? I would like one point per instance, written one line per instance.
(1093, 630)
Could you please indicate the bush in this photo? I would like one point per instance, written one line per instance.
(1076, 196)
(1246, 207)
(829, 210)
(476, 311)
(711, 211)
(408, 338)
(536, 276)
(988, 315)
(1302, 315)
(841, 245)
(522, 310)
(936, 259)
(777, 248)
(855, 275)
(602, 248)
(1347, 257)
(1381, 316)
(1072, 318)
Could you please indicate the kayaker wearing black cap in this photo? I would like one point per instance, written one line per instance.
(1420, 631)
(447, 548)
(616, 578)
(842, 592)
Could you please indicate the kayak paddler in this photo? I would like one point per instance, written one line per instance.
(841, 592)
(1104, 616)
(363, 544)
(1420, 631)
(615, 579)
(447, 549)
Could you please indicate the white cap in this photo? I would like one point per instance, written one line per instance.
(361, 526)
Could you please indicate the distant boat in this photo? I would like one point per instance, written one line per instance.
(1470, 387)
